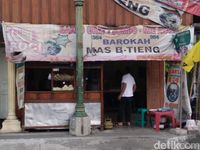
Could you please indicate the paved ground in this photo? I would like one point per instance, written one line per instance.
(124, 138)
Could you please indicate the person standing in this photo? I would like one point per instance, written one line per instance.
(128, 87)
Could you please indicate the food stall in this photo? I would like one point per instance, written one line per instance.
(50, 94)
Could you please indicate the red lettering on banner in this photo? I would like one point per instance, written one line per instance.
(173, 80)
(175, 71)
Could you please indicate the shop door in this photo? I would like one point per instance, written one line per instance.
(155, 84)
(3, 85)
(113, 72)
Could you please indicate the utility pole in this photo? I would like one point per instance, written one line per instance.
(79, 123)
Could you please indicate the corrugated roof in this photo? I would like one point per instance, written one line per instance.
(97, 12)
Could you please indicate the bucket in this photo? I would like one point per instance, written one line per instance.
(163, 120)
(191, 123)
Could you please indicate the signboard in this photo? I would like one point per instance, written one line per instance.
(182, 39)
(32, 42)
(153, 11)
(174, 86)
(39, 42)
(134, 43)
(190, 6)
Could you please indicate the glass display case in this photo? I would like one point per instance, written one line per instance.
(51, 77)
(63, 79)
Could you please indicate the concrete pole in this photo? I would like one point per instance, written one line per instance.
(11, 124)
(80, 122)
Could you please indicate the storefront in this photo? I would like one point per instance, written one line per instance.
(52, 82)
(46, 81)
(50, 94)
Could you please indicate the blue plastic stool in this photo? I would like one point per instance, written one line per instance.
(140, 119)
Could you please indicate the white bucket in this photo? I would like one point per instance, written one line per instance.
(198, 124)
(163, 120)
(161, 126)
(191, 123)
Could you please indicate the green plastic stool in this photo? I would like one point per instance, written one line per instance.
(140, 119)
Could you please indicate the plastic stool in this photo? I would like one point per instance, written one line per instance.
(141, 120)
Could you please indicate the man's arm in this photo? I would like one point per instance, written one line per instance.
(134, 88)
(123, 87)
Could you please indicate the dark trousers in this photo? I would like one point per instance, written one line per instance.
(125, 109)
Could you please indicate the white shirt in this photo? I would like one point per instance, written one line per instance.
(130, 82)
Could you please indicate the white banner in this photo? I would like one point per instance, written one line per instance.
(173, 89)
(20, 84)
(133, 43)
(149, 9)
(190, 6)
(173, 85)
(39, 42)
(32, 42)
(53, 115)
(186, 106)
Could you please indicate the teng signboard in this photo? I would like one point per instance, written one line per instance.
(190, 6)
